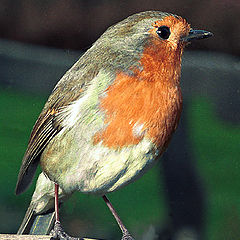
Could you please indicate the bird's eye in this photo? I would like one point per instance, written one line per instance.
(163, 32)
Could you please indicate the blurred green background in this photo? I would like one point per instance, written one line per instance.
(211, 116)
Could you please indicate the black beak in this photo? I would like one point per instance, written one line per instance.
(196, 34)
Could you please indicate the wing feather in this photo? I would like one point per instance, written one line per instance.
(42, 133)
(68, 89)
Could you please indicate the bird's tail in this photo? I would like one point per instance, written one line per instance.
(37, 224)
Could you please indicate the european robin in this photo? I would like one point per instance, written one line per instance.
(112, 115)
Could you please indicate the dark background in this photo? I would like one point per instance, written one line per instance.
(193, 193)
(76, 24)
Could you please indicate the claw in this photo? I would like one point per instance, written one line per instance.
(127, 236)
(58, 233)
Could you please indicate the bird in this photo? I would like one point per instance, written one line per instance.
(112, 114)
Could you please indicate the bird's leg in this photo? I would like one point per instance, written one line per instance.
(126, 234)
(56, 203)
(58, 232)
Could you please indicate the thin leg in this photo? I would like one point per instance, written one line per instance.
(56, 203)
(126, 234)
(58, 232)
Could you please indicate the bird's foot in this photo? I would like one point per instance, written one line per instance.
(127, 236)
(59, 234)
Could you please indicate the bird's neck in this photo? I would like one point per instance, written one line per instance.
(162, 64)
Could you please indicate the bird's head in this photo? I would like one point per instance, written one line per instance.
(166, 31)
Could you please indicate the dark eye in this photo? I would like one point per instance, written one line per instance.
(163, 32)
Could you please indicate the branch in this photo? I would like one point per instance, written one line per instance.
(31, 237)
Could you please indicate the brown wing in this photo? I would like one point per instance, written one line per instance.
(43, 131)
(47, 125)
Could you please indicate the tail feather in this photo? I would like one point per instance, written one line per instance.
(27, 221)
(37, 224)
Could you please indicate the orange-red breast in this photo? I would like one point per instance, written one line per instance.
(113, 113)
